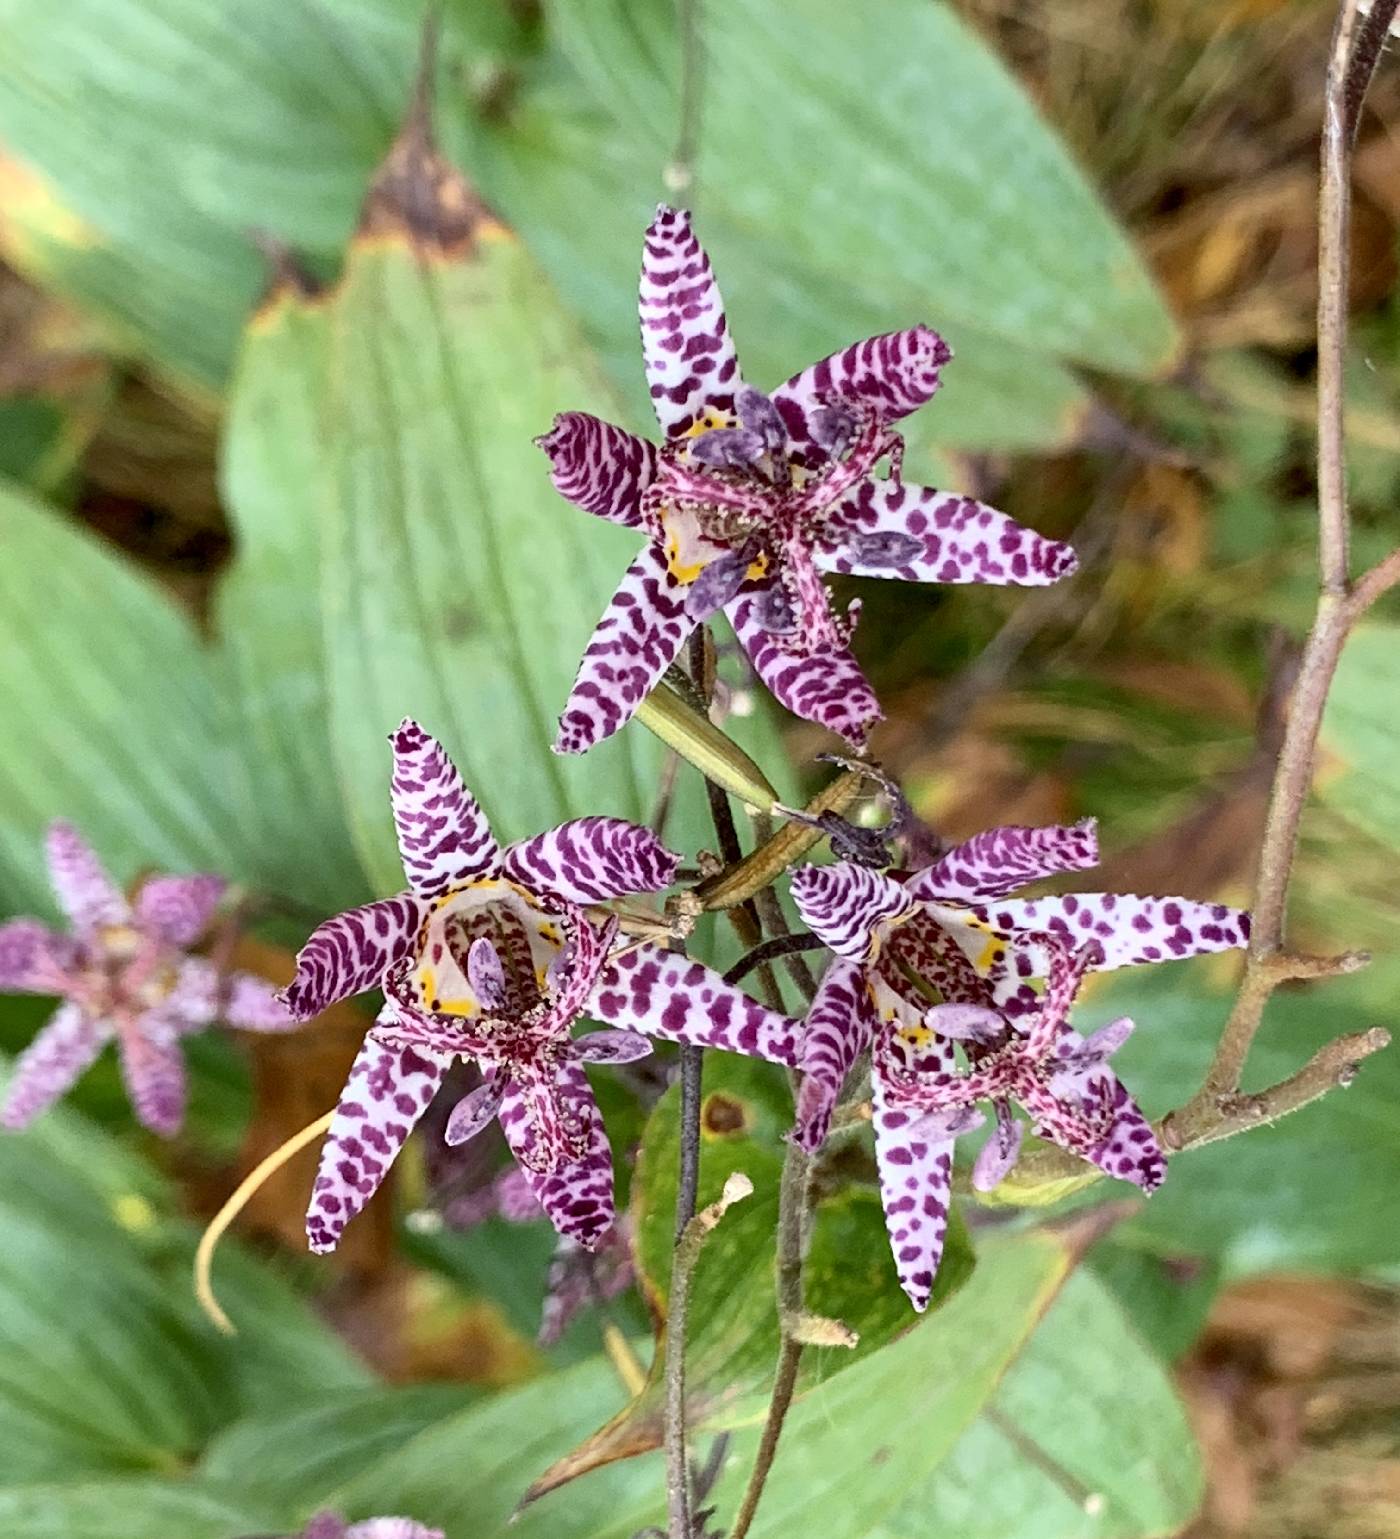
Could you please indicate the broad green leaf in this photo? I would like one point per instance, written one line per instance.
(1166, 1295)
(138, 203)
(113, 710)
(1314, 1190)
(269, 612)
(1360, 773)
(181, 129)
(293, 1457)
(457, 586)
(854, 1448)
(1084, 1436)
(108, 1366)
(732, 1341)
(903, 152)
(133, 1509)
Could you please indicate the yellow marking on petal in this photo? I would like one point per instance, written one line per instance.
(709, 421)
(915, 1036)
(685, 574)
(758, 567)
(994, 951)
(134, 1213)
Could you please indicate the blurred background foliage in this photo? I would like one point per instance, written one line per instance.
(268, 485)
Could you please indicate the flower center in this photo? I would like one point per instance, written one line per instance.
(736, 508)
(488, 950)
(122, 973)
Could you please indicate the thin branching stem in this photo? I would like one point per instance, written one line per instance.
(1218, 1109)
(686, 1254)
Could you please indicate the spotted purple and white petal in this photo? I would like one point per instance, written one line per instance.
(849, 906)
(578, 1195)
(999, 860)
(664, 995)
(153, 1070)
(896, 373)
(252, 1004)
(1130, 929)
(193, 1000)
(824, 686)
(444, 838)
(33, 958)
(590, 860)
(600, 468)
(641, 632)
(65, 1046)
(690, 359)
(1075, 1108)
(85, 893)
(177, 909)
(839, 1026)
(916, 1175)
(353, 952)
(917, 534)
(389, 1089)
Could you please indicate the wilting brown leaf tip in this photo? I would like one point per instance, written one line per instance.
(285, 273)
(417, 195)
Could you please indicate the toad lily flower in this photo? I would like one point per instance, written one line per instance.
(751, 498)
(122, 972)
(491, 955)
(950, 933)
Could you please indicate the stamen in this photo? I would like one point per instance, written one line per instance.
(967, 1023)
(716, 585)
(241, 1196)
(999, 1153)
(833, 429)
(882, 547)
(759, 415)
(774, 611)
(485, 974)
(727, 449)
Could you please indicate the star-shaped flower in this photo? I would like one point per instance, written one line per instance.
(492, 955)
(751, 498)
(123, 971)
(950, 936)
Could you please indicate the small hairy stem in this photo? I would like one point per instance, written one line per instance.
(1331, 1067)
(738, 883)
(686, 1254)
(688, 1179)
(792, 1225)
